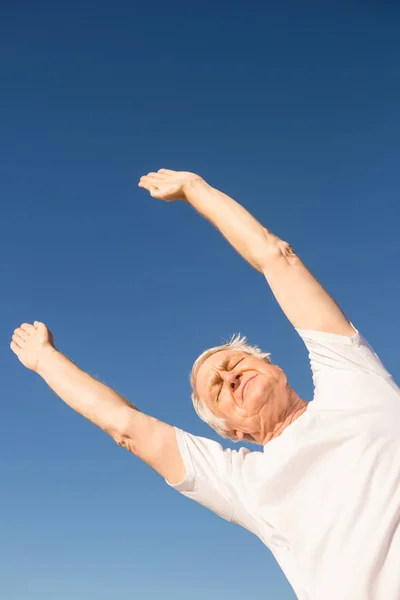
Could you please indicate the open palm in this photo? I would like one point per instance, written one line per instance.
(168, 185)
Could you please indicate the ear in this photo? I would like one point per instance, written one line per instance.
(239, 435)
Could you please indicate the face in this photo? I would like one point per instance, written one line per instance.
(248, 392)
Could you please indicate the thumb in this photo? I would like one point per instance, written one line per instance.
(39, 326)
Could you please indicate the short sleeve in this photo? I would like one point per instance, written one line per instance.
(330, 351)
(346, 370)
(213, 473)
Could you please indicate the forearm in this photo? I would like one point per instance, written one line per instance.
(253, 241)
(87, 396)
(302, 298)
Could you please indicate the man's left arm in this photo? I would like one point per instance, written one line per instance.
(302, 298)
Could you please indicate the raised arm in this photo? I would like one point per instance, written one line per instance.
(302, 298)
(148, 438)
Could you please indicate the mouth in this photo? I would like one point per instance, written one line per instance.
(245, 386)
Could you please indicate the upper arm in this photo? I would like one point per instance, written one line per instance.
(197, 467)
(347, 373)
(213, 474)
(302, 298)
(155, 443)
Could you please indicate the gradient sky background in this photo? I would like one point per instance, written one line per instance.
(292, 108)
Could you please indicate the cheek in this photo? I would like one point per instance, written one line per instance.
(230, 411)
(260, 385)
(259, 391)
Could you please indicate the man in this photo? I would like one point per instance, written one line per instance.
(324, 495)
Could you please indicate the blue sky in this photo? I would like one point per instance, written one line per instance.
(292, 108)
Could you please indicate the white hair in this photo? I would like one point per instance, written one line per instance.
(237, 342)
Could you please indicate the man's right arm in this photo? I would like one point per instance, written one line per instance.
(148, 438)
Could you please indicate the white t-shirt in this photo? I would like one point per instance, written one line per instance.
(325, 495)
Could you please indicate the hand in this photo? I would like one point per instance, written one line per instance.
(31, 343)
(168, 185)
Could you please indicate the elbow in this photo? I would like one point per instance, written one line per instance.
(274, 250)
(124, 441)
(121, 428)
(262, 249)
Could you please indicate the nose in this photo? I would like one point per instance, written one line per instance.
(232, 380)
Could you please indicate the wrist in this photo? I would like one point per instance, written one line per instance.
(45, 359)
(192, 185)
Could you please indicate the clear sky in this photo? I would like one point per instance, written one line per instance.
(292, 108)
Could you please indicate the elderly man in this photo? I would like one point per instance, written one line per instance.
(324, 492)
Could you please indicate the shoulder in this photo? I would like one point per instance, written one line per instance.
(351, 353)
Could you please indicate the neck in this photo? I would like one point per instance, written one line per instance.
(296, 407)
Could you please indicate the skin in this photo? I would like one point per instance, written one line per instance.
(250, 394)
(268, 404)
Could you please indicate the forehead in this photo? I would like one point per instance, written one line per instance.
(208, 367)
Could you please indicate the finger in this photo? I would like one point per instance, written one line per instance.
(146, 185)
(145, 181)
(28, 328)
(151, 179)
(41, 328)
(166, 172)
(155, 175)
(18, 340)
(153, 190)
(15, 348)
(22, 334)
